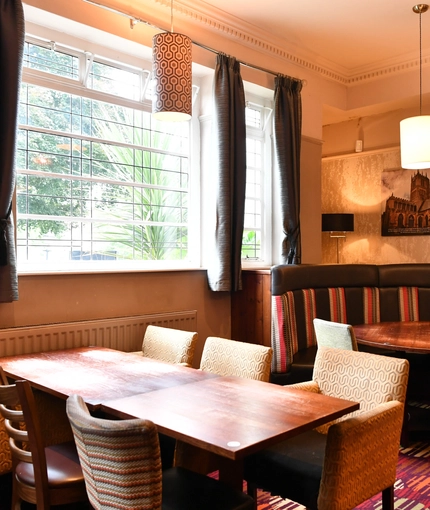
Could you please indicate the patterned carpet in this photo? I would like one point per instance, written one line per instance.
(412, 488)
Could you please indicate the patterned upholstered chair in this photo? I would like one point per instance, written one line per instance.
(335, 334)
(229, 357)
(45, 476)
(122, 468)
(168, 344)
(339, 466)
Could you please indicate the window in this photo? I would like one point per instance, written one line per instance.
(256, 235)
(98, 178)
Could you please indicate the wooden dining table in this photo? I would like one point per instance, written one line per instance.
(228, 416)
(413, 336)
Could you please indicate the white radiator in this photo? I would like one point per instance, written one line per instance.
(122, 333)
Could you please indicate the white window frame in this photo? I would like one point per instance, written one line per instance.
(77, 87)
(264, 134)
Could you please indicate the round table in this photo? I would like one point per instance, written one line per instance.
(398, 336)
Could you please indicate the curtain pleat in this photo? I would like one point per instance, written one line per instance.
(12, 34)
(287, 141)
(224, 272)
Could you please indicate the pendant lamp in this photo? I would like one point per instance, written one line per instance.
(415, 131)
(172, 74)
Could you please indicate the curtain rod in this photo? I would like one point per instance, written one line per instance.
(134, 21)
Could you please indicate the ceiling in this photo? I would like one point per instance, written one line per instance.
(350, 34)
(347, 39)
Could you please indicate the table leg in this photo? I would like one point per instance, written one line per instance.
(231, 472)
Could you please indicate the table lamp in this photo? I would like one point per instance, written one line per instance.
(337, 224)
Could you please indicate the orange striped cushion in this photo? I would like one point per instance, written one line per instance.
(283, 331)
(337, 305)
(371, 305)
(408, 304)
(310, 314)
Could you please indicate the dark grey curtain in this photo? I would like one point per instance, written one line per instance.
(224, 272)
(12, 33)
(287, 140)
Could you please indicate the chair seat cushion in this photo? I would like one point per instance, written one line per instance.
(187, 490)
(62, 463)
(291, 469)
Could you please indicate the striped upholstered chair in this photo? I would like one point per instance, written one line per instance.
(339, 466)
(122, 468)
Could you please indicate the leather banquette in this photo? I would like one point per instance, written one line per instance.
(347, 293)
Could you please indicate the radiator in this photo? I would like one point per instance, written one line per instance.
(122, 333)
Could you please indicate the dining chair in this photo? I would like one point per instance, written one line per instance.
(229, 357)
(122, 468)
(335, 334)
(340, 465)
(169, 345)
(44, 476)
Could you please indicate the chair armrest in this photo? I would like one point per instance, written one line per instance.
(361, 456)
(305, 386)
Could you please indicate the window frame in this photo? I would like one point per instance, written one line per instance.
(264, 133)
(77, 87)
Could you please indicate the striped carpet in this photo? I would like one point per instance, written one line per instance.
(411, 492)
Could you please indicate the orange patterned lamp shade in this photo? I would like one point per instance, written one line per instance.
(172, 73)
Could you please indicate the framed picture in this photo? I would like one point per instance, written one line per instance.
(405, 202)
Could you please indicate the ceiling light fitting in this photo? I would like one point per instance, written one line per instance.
(172, 74)
(415, 131)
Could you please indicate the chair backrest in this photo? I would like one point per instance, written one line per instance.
(18, 408)
(170, 345)
(335, 334)
(230, 357)
(366, 378)
(5, 455)
(120, 459)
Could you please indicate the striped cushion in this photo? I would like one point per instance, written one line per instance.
(371, 306)
(120, 459)
(284, 332)
(408, 304)
(284, 328)
(337, 305)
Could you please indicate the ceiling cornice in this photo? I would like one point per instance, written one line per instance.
(253, 37)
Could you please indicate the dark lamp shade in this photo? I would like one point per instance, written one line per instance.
(172, 73)
(338, 223)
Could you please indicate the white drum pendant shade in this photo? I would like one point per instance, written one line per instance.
(172, 73)
(415, 142)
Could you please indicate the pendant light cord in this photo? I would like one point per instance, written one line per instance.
(171, 17)
(421, 69)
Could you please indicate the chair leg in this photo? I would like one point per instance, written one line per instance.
(388, 498)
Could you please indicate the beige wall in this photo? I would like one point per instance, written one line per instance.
(351, 183)
(66, 297)
(45, 299)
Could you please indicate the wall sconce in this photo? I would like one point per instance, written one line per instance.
(172, 73)
(337, 224)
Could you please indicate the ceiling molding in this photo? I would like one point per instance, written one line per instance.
(264, 42)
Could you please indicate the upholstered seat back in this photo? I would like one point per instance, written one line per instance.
(335, 334)
(230, 357)
(362, 377)
(170, 345)
(120, 459)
